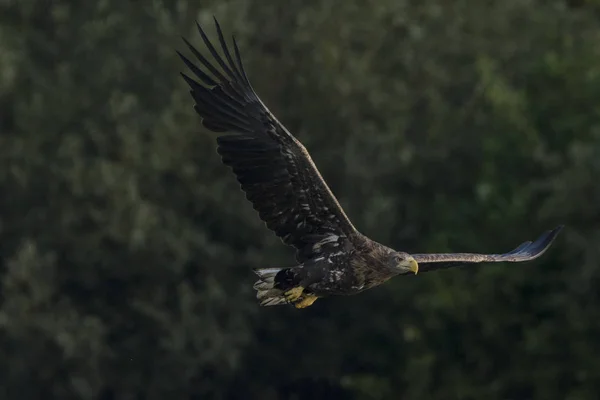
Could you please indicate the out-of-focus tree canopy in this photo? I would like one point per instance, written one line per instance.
(459, 125)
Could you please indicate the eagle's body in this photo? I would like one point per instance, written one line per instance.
(347, 267)
(286, 189)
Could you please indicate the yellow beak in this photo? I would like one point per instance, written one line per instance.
(414, 266)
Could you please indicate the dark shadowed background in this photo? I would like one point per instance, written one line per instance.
(126, 247)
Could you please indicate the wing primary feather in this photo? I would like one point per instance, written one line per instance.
(205, 78)
(239, 61)
(234, 73)
(543, 243)
(520, 248)
(215, 105)
(215, 54)
(213, 94)
(227, 85)
(205, 62)
(543, 239)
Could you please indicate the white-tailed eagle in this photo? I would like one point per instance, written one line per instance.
(285, 187)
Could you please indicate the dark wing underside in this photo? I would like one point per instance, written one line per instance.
(525, 252)
(274, 169)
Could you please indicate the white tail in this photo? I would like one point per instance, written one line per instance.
(266, 293)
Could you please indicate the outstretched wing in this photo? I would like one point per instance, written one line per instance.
(272, 166)
(525, 252)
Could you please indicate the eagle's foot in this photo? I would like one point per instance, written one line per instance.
(293, 294)
(306, 301)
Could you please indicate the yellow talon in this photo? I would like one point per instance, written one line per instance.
(306, 301)
(294, 294)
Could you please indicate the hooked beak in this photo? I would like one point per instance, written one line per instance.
(413, 265)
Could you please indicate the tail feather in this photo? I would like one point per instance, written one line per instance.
(267, 294)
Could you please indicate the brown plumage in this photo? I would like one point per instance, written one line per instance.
(289, 194)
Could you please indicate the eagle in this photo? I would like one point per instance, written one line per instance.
(285, 187)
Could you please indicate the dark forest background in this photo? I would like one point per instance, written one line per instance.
(126, 247)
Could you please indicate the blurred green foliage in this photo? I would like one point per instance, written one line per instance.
(458, 125)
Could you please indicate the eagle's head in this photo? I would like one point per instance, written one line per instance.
(404, 262)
